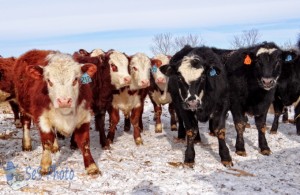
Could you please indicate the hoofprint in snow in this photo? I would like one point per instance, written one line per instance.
(155, 167)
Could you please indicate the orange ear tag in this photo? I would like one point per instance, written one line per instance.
(247, 60)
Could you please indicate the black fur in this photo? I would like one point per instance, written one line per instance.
(288, 89)
(249, 93)
(214, 102)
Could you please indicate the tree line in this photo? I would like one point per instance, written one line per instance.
(168, 44)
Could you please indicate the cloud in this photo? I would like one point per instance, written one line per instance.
(35, 22)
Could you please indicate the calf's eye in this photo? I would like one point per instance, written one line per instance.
(49, 83)
(114, 68)
(75, 81)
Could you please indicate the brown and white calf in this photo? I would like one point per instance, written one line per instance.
(112, 75)
(7, 89)
(51, 90)
(130, 100)
(158, 92)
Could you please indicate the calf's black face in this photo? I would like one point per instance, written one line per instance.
(192, 73)
(267, 64)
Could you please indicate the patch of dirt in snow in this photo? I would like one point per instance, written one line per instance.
(156, 166)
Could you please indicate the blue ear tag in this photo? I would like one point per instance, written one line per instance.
(288, 58)
(154, 69)
(85, 78)
(212, 72)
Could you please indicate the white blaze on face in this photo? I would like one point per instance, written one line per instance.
(61, 74)
(188, 72)
(140, 66)
(119, 69)
(158, 75)
(265, 50)
(97, 52)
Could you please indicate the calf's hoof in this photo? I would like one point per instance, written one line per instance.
(174, 127)
(241, 153)
(73, 146)
(266, 152)
(227, 163)
(18, 123)
(158, 128)
(273, 132)
(92, 169)
(45, 170)
(27, 148)
(127, 129)
(138, 141)
(189, 164)
(248, 125)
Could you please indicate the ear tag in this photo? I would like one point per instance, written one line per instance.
(154, 69)
(247, 60)
(85, 78)
(288, 58)
(212, 72)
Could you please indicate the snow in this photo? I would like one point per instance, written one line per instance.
(156, 166)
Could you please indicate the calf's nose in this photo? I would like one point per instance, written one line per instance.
(145, 83)
(267, 81)
(64, 102)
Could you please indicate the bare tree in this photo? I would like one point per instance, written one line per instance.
(162, 43)
(167, 44)
(288, 45)
(246, 39)
(192, 40)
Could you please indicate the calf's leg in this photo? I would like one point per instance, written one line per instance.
(26, 141)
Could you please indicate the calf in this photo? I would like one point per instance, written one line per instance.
(112, 75)
(51, 89)
(252, 74)
(130, 100)
(198, 87)
(288, 89)
(7, 91)
(158, 92)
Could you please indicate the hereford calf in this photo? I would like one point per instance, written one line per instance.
(130, 100)
(51, 89)
(158, 92)
(7, 91)
(112, 74)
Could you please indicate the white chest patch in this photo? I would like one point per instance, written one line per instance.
(53, 119)
(188, 72)
(126, 102)
(159, 98)
(3, 96)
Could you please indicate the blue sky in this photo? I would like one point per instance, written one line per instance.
(129, 25)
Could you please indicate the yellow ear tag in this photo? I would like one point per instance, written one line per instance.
(247, 60)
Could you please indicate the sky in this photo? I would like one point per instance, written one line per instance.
(129, 26)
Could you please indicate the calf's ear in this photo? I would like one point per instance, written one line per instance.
(167, 70)
(289, 56)
(156, 62)
(35, 72)
(89, 68)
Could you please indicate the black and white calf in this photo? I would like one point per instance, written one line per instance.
(198, 87)
(288, 89)
(253, 74)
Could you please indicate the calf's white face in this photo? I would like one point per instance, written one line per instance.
(160, 79)
(140, 66)
(119, 70)
(62, 75)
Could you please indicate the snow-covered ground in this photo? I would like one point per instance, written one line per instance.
(155, 167)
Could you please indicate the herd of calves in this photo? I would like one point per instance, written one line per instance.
(61, 92)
